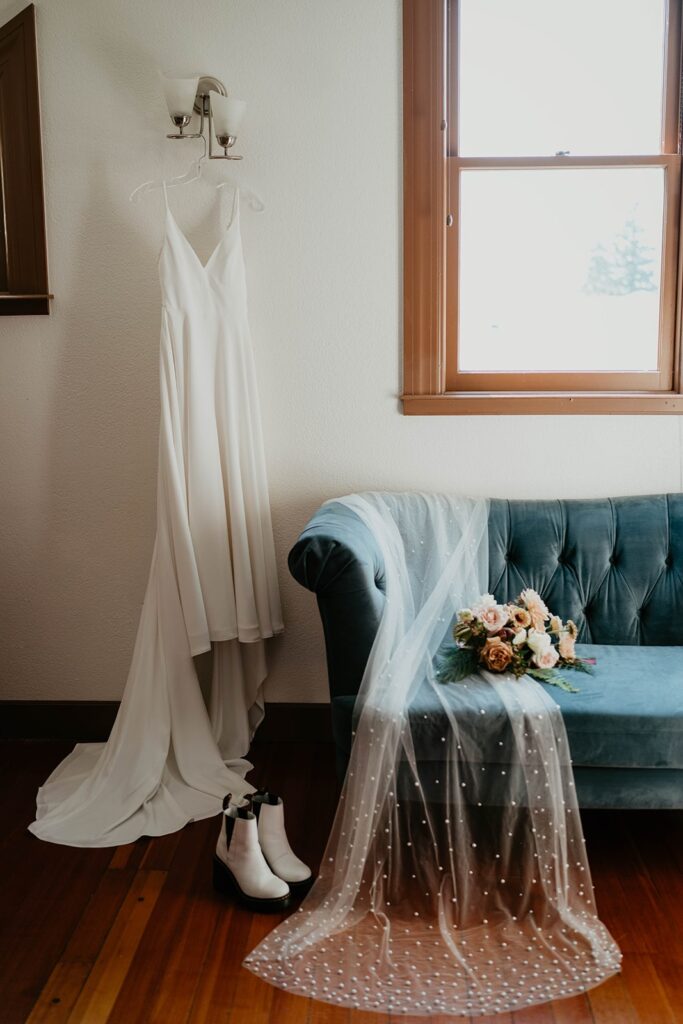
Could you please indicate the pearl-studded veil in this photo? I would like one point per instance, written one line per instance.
(455, 879)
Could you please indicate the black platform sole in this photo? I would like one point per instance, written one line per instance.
(225, 883)
(299, 889)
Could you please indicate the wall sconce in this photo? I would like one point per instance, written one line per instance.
(208, 97)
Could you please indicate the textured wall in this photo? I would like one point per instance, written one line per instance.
(78, 390)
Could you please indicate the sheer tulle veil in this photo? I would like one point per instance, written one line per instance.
(455, 879)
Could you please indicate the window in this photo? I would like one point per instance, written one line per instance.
(542, 206)
(23, 260)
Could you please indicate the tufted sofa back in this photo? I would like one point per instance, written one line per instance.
(613, 565)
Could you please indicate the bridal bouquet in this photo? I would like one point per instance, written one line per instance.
(523, 638)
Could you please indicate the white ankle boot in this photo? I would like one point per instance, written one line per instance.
(239, 867)
(270, 811)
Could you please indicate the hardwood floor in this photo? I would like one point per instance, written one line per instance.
(135, 935)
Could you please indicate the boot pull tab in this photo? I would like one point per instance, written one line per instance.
(264, 796)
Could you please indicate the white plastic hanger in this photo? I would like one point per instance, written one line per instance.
(194, 173)
(254, 200)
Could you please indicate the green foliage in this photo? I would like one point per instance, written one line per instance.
(457, 663)
(581, 666)
(549, 675)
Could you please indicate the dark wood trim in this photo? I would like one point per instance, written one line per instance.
(19, 305)
(424, 194)
(83, 721)
(21, 167)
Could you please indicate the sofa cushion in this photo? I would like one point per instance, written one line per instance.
(629, 714)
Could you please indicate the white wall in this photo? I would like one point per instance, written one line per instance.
(78, 390)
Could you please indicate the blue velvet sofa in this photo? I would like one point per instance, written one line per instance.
(614, 566)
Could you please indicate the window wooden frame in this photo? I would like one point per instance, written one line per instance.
(23, 256)
(432, 384)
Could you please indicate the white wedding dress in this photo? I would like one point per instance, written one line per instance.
(212, 581)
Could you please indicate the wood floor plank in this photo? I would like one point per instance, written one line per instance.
(646, 990)
(611, 1004)
(192, 945)
(59, 995)
(670, 975)
(62, 987)
(534, 1015)
(160, 851)
(573, 1011)
(660, 867)
(253, 998)
(369, 1017)
(286, 1008)
(409, 1018)
(106, 978)
(222, 970)
(54, 885)
(604, 851)
(122, 855)
(189, 868)
(326, 1013)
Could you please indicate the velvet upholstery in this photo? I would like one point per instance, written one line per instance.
(613, 565)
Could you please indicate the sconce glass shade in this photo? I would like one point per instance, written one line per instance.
(180, 94)
(227, 114)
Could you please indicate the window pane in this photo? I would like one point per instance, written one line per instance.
(560, 269)
(540, 76)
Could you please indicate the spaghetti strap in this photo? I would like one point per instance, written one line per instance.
(235, 206)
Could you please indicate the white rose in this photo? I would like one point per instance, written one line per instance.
(485, 602)
(538, 642)
(519, 638)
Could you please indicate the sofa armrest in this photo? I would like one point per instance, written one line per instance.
(337, 558)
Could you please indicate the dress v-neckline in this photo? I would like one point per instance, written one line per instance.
(228, 229)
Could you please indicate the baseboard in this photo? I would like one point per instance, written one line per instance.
(87, 721)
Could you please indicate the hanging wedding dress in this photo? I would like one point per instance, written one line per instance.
(455, 879)
(212, 580)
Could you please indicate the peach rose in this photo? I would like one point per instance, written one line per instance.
(538, 621)
(536, 607)
(548, 658)
(566, 646)
(519, 617)
(496, 654)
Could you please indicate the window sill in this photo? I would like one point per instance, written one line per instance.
(21, 305)
(544, 404)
